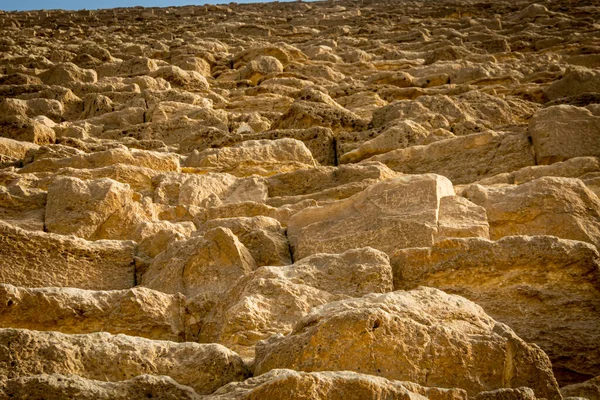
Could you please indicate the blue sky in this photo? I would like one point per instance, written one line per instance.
(19, 5)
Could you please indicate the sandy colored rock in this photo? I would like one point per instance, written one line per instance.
(26, 130)
(543, 287)
(172, 110)
(207, 264)
(260, 67)
(319, 140)
(63, 74)
(562, 132)
(522, 393)
(113, 358)
(271, 299)
(306, 114)
(206, 190)
(324, 182)
(79, 208)
(395, 213)
(153, 237)
(76, 387)
(279, 383)
(264, 238)
(424, 335)
(401, 135)
(135, 157)
(139, 179)
(562, 207)
(206, 153)
(463, 159)
(464, 114)
(254, 157)
(50, 108)
(589, 389)
(15, 148)
(137, 312)
(253, 209)
(576, 80)
(38, 259)
(578, 167)
(181, 78)
(22, 204)
(458, 217)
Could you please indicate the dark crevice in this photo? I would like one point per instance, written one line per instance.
(335, 152)
(290, 250)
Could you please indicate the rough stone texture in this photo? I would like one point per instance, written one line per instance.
(289, 384)
(102, 356)
(260, 157)
(264, 238)
(425, 336)
(135, 157)
(324, 184)
(576, 80)
(589, 389)
(15, 148)
(543, 287)
(270, 300)
(200, 265)
(522, 393)
(396, 213)
(306, 114)
(26, 130)
(562, 132)
(319, 140)
(138, 311)
(401, 135)
(75, 387)
(578, 167)
(216, 173)
(37, 259)
(458, 217)
(562, 207)
(207, 190)
(463, 159)
(79, 208)
(21, 203)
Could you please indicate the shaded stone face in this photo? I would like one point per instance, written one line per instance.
(386, 199)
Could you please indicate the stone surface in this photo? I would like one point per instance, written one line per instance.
(38, 259)
(562, 207)
(422, 336)
(458, 217)
(136, 312)
(102, 356)
(324, 184)
(79, 208)
(15, 148)
(76, 387)
(135, 157)
(207, 190)
(218, 172)
(396, 213)
(271, 299)
(26, 130)
(562, 132)
(207, 264)
(463, 159)
(589, 389)
(280, 383)
(22, 204)
(264, 238)
(543, 287)
(260, 157)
